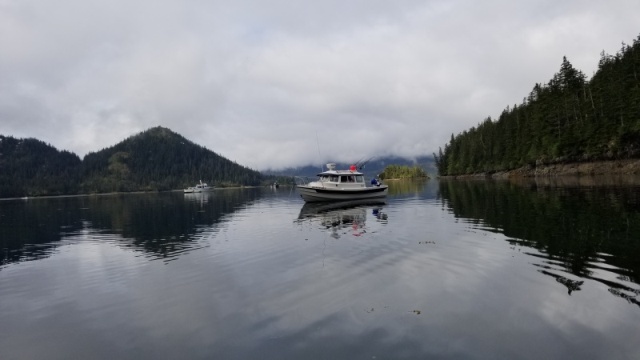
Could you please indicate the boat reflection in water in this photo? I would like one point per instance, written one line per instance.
(343, 215)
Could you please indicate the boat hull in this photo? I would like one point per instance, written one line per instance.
(317, 194)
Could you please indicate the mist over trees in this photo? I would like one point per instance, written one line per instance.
(568, 119)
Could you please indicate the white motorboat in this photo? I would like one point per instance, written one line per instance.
(341, 185)
(201, 187)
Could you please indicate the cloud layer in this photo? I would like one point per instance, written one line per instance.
(280, 83)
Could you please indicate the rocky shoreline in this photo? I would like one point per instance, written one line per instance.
(609, 167)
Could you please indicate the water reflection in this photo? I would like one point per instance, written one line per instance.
(159, 225)
(200, 198)
(406, 187)
(344, 215)
(273, 284)
(582, 229)
(580, 181)
(572, 285)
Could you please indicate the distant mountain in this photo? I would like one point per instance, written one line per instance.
(371, 168)
(32, 167)
(159, 159)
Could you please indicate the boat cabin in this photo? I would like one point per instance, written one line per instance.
(342, 178)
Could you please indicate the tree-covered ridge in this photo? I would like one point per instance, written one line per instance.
(569, 119)
(159, 159)
(32, 167)
(403, 172)
(156, 159)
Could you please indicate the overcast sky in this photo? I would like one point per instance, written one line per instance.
(271, 84)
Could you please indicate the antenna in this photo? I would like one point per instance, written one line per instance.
(361, 164)
(319, 155)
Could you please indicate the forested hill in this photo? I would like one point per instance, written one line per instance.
(159, 159)
(568, 119)
(156, 159)
(32, 167)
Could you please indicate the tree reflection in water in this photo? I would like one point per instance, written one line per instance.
(587, 228)
(160, 225)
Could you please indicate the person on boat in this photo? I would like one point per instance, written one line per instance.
(375, 181)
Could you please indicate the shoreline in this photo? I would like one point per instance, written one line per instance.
(605, 167)
(119, 193)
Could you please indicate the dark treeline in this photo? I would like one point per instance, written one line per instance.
(32, 167)
(154, 160)
(569, 119)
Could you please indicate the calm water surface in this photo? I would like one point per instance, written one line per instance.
(450, 269)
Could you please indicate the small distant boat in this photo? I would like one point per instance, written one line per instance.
(341, 185)
(201, 187)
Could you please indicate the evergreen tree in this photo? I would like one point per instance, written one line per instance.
(566, 120)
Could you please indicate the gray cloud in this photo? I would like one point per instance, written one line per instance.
(280, 83)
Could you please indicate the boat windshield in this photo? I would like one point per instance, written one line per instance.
(330, 178)
(351, 178)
